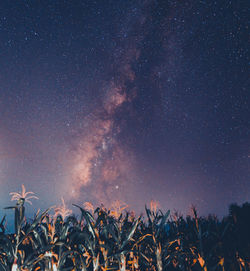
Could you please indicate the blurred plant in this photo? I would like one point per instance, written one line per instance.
(156, 232)
(20, 197)
(23, 195)
(62, 210)
(89, 207)
(154, 205)
(200, 255)
(117, 207)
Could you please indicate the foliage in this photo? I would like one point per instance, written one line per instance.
(104, 239)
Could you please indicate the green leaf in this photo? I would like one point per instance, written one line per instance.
(131, 233)
(88, 217)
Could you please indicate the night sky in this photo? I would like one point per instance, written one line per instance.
(129, 100)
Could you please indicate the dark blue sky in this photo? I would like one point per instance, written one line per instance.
(129, 100)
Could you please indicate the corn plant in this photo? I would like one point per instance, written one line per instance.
(102, 240)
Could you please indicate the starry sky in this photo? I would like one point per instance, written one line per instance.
(125, 100)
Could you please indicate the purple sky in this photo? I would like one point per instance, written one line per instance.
(128, 100)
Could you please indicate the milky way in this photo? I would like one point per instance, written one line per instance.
(101, 163)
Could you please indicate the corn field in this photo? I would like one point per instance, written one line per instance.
(103, 239)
